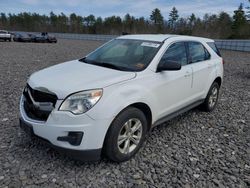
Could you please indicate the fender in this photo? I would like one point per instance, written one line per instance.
(119, 96)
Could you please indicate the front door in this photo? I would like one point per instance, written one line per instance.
(173, 88)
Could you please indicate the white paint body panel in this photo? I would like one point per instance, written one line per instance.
(164, 92)
(70, 77)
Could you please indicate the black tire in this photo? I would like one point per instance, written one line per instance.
(111, 148)
(207, 106)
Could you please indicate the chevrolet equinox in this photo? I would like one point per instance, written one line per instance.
(106, 102)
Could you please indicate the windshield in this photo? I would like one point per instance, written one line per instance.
(24, 35)
(124, 54)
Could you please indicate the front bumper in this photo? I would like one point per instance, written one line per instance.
(59, 124)
(82, 155)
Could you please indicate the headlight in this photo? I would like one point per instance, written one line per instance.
(81, 102)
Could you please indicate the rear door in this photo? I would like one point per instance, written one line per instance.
(202, 66)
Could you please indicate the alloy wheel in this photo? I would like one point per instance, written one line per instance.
(213, 97)
(130, 136)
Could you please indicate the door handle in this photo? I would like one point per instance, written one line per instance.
(187, 74)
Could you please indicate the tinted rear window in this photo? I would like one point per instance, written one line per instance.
(214, 47)
(197, 52)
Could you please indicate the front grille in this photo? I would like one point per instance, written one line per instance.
(37, 104)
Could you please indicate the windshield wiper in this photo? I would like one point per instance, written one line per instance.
(83, 60)
(103, 64)
(109, 65)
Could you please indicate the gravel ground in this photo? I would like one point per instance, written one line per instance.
(196, 149)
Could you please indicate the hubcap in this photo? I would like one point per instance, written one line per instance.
(129, 136)
(213, 97)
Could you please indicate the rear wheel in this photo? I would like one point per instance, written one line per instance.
(212, 98)
(125, 135)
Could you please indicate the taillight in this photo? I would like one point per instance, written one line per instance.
(223, 62)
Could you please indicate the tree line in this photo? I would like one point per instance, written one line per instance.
(222, 25)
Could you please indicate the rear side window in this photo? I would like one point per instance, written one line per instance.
(197, 52)
(176, 53)
(214, 47)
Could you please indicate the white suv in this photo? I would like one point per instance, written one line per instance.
(5, 35)
(106, 102)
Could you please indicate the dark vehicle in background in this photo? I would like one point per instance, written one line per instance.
(24, 37)
(29, 37)
(33, 37)
(45, 37)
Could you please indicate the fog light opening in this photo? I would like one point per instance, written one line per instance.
(74, 138)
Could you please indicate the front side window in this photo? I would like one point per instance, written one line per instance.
(176, 53)
(124, 54)
(197, 52)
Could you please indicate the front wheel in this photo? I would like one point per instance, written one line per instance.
(212, 98)
(125, 135)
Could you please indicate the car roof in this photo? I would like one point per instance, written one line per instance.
(163, 37)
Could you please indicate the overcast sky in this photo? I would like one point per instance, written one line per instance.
(106, 8)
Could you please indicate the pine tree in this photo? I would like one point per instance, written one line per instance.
(248, 11)
(192, 20)
(224, 24)
(157, 18)
(173, 17)
(239, 22)
(128, 23)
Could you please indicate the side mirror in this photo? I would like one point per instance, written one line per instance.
(168, 65)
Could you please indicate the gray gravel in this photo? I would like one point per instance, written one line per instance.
(196, 149)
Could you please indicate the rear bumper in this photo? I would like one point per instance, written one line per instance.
(81, 155)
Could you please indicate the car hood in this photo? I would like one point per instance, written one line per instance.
(73, 76)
